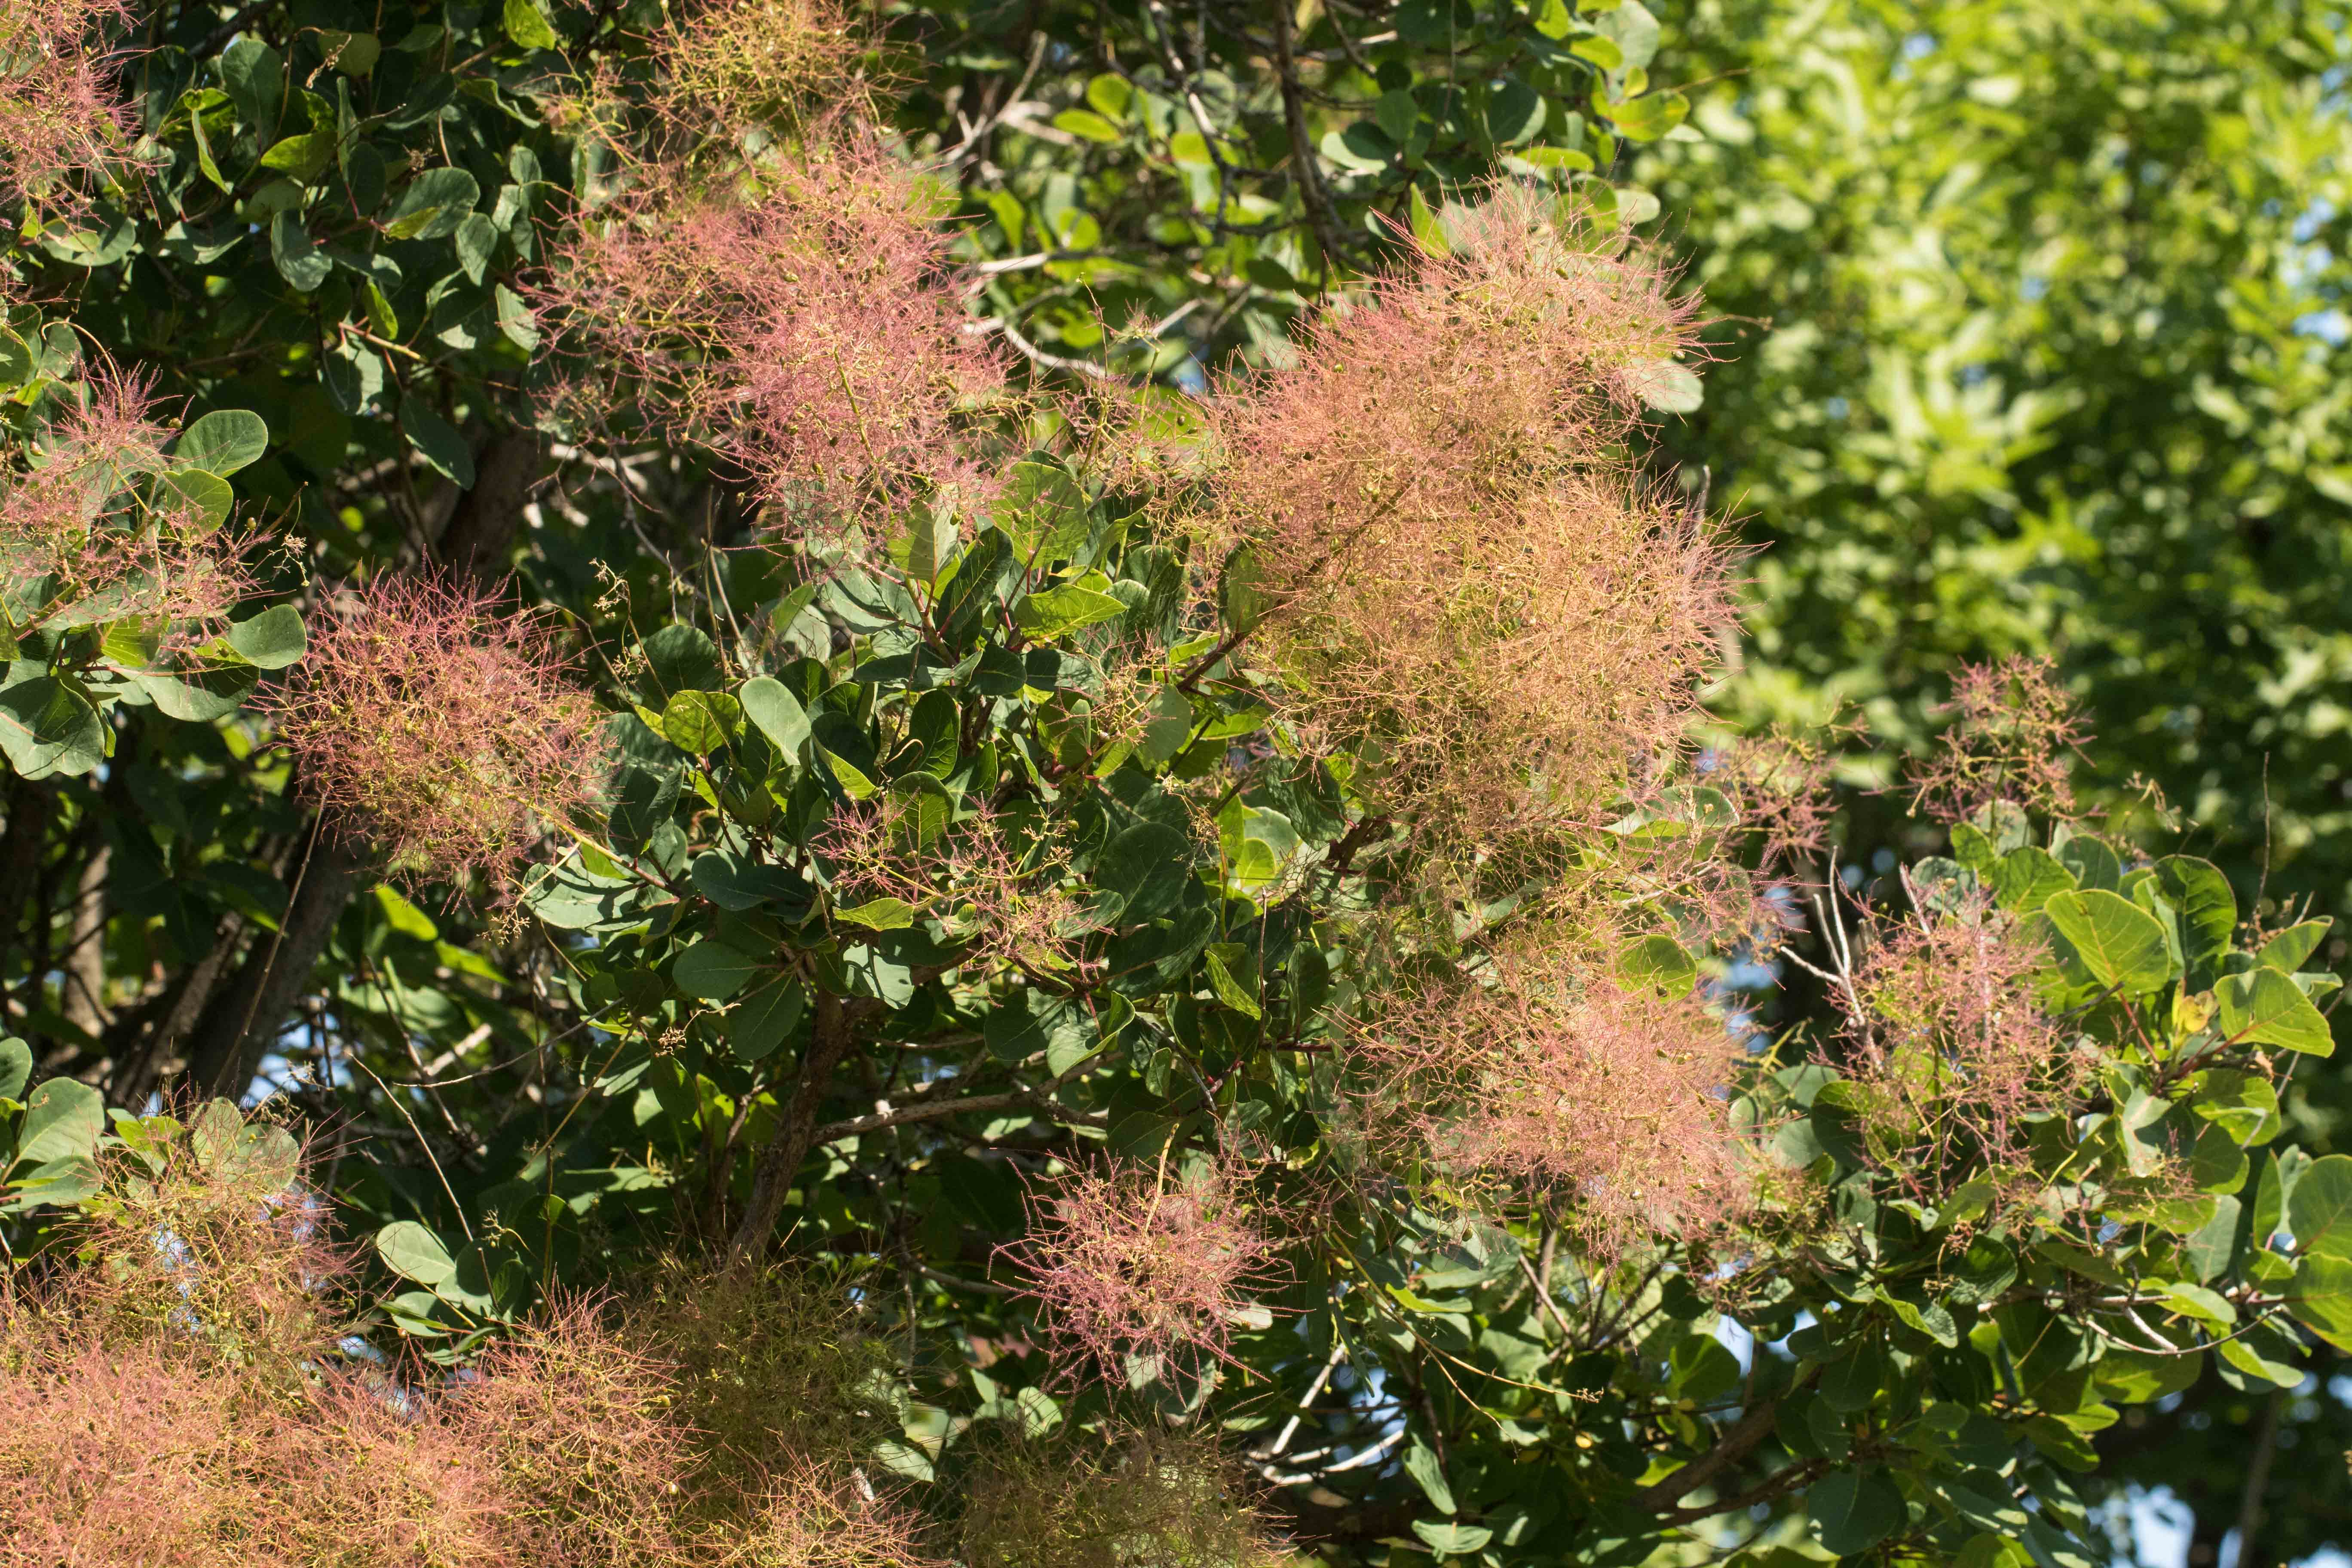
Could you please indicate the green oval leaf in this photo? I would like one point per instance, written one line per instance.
(193, 500)
(222, 442)
(1670, 388)
(2120, 943)
(299, 260)
(1421, 1463)
(437, 441)
(880, 914)
(1660, 963)
(2321, 1298)
(48, 728)
(272, 639)
(1064, 609)
(777, 712)
(854, 782)
(1086, 122)
(757, 1025)
(1233, 976)
(700, 722)
(1143, 872)
(302, 157)
(1854, 1510)
(2289, 948)
(712, 970)
(2207, 910)
(1448, 1537)
(527, 25)
(413, 1252)
(2263, 1007)
(62, 1182)
(62, 1119)
(2319, 1210)
(433, 204)
(2026, 877)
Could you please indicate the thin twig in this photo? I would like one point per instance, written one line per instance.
(422, 1142)
(1314, 1392)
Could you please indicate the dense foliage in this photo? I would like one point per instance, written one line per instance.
(987, 726)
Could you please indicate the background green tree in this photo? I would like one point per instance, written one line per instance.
(2029, 344)
(2030, 341)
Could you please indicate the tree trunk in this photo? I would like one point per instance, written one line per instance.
(145, 1046)
(243, 1020)
(2258, 1481)
(772, 1178)
(82, 988)
(31, 808)
(472, 548)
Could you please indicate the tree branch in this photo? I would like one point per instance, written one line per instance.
(1772, 1486)
(2251, 1511)
(1039, 1099)
(772, 1178)
(242, 1020)
(1734, 1446)
(473, 547)
(1311, 193)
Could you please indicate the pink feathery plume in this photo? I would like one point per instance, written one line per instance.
(1142, 1263)
(806, 331)
(448, 729)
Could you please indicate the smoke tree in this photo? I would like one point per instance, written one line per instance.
(865, 947)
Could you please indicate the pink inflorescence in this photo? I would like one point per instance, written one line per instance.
(86, 515)
(1142, 1263)
(176, 1390)
(992, 888)
(449, 729)
(806, 332)
(1616, 1098)
(1471, 587)
(577, 1422)
(1519, 350)
(56, 113)
(734, 66)
(1952, 1045)
(2013, 737)
(81, 1420)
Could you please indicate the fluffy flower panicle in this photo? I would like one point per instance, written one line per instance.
(989, 889)
(86, 515)
(1145, 1499)
(58, 113)
(575, 1419)
(189, 1342)
(1520, 351)
(820, 1517)
(1952, 1046)
(1468, 585)
(79, 1418)
(212, 1239)
(1617, 1099)
(773, 66)
(2014, 731)
(803, 331)
(448, 729)
(1782, 786)
(1139, 1262)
